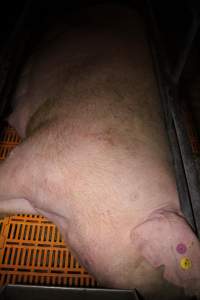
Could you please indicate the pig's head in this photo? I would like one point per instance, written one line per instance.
(172, 256)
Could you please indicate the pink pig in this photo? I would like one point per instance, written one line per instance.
(95, 157)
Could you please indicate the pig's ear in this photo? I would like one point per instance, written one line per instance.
(165, 239)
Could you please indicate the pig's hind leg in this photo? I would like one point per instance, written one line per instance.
(14, 180)
(12, 197)
(31, 177)
(16, 206)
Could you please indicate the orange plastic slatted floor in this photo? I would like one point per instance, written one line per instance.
(31, 248)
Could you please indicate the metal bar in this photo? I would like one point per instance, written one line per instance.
(184, 53)
(188, 163)
(23, 292)
(186, 173)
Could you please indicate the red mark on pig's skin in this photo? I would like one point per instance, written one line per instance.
(181, 248)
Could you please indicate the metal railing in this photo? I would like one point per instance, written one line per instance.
(168, 80)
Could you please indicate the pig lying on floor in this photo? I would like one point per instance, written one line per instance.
(95, 158)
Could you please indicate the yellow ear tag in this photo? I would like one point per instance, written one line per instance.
(185, 263)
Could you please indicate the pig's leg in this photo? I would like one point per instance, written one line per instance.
(31, 175)
(16, 206)
(11, 179)
(12, 194)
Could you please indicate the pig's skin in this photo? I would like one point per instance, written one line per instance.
(96, 159)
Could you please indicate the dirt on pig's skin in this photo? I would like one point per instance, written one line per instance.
(96, 159)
